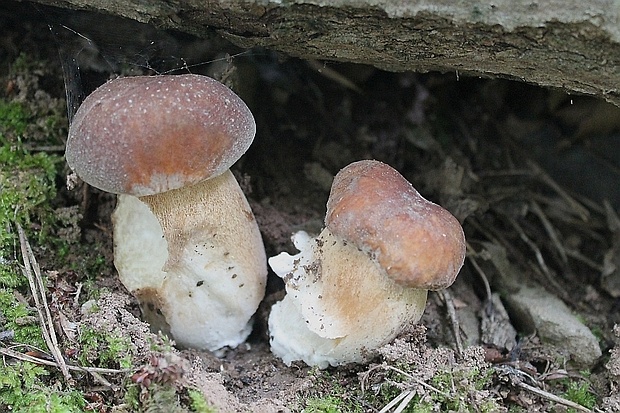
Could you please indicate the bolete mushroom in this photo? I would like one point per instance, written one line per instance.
(356, 285)
(186, 243)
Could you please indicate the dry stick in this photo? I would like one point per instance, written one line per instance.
(479, 270)
(404, 373)
(553, 235)
(396, 400)
(456, 329)
(420, 382)
(404, 397)
(495, 237)
(93, 371)
(26, 357)
(539, 257)
(50, 148)
(33, 273)
(540, 173)
(579, 209)
(553, 397)
(592, 205)
(562, 212)
(533, 247)
(613, 220)
(501, 240)
(585, 260)
(333, 75)
(403, 405)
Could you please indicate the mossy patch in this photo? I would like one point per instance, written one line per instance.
(28, 188)
(580, 393)
(25, 387)
(104, 349)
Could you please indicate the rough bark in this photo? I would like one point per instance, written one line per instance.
(570, 44)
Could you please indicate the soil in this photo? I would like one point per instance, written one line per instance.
(494, 152)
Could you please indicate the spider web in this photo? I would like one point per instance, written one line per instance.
(91, 46)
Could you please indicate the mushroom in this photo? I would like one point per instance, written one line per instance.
(365, 277)
(186, 243)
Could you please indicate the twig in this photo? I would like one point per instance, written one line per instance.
(539, 257)
(553, 397)
(497, 238)
(409, 376)
(456, 329)
(33, 273)
(420, 382)
(396, 400)
(587, 261)
(98, 377)
(50, 148)
(533, 247)
(613, 220)
(32, 359)
(333, 75)
(479, 270)
(553, 235)
(579, 209)
(559, 209)
(405, 402)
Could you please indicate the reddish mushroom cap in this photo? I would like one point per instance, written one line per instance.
(144, 135)
(417, 242)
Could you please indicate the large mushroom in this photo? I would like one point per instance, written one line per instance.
(186, 243)
(365, 277)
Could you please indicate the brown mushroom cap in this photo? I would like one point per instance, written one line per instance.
(144, 135)
(417, 242)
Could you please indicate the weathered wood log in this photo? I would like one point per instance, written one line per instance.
(570, 44)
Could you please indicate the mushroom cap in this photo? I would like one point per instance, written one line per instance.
(145, 135)
(418, 243)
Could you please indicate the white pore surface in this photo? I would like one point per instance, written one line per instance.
(197, 265)
(339, 307)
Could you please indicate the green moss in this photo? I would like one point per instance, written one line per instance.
(21, 320)
(132, 396)
(328, 404)
(165, 398)
(104, 349)
(28, 180)
(198, 403)
(456, 398)
(579, 392)
(331, 396)
(450, 389)
(23, 64)
(35, 114)
(13, 119)
(25, 196)
(27, 186)
(162, 399)
(23, 389)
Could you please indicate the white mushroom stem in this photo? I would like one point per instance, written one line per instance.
(194, 259)
(340, 305)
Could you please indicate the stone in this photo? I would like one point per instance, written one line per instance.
(567, 44)
(535, 310)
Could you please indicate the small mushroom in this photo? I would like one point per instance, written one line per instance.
(186, 243)
(356, 285)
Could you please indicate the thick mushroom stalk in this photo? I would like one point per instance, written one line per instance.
(356, 285)
(186, 243)
(194, 259)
